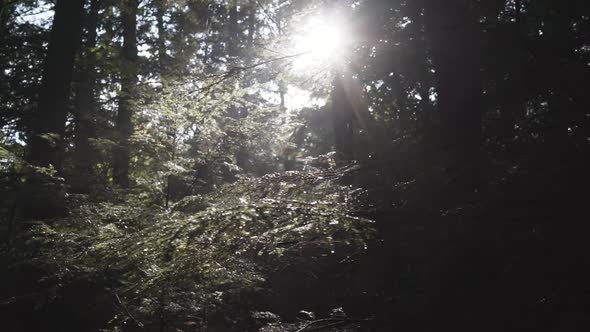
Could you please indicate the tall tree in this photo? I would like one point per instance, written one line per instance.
(46, 145)
(5, 11)
(513, 103)
(4, 17)
(85, 102)
(129, 69)
(343, 113)
(454, 37)
(161, 42)
(419, 63)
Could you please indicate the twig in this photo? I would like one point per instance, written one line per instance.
(267, 14)
(127, 311)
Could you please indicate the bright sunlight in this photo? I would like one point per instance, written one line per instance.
(322, 41)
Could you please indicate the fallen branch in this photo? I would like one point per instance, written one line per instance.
(333, 322)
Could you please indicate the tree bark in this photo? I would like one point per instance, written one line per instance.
(416, 28)
(343, 117)
(4, 17)
(124, 125)
(161, 43)
(85, 103)
(454, 37)
(233, 31)
(5, 12)
(401, 97)
(455, 46)
(251, 25)
(513, 104)
(46, 146)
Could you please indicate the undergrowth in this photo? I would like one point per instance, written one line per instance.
(189, 267)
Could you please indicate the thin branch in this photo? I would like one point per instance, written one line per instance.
(127, 311)
(331, 323)
(237, 70)
(267, 14)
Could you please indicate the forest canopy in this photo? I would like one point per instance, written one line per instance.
(294, 165)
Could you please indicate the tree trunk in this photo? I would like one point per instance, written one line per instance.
(251, 26)
(343, 117)
(401, 96)
(6, 9)
(124, 125)
(46, 147)
(4, 17)
(416, 28)
(162, 56)
(282, 87)
(455, 40)
(233, 31)
(513, 104)
(85, 103)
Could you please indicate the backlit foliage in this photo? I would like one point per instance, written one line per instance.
(187, 265)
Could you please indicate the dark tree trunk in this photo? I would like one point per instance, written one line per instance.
(251, 25)
(454, 37)
(351, 117)
(4, 17)
(559, 46)
(46, 147)
(85, 103)
(401, 96)
(455, 45)
(513, 103)
(233, 31)
(161, 44)
(343, 117)
(424, 116)
(124, 125)
(6, 9)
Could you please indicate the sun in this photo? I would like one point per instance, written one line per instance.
(317, 45)
(321, 42)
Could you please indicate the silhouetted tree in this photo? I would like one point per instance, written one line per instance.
(85, 102)
(455, 42)
(127, 99)
(47, 142)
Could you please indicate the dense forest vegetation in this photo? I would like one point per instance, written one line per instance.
(294, 165)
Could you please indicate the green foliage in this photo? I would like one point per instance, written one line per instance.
(185, 265)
